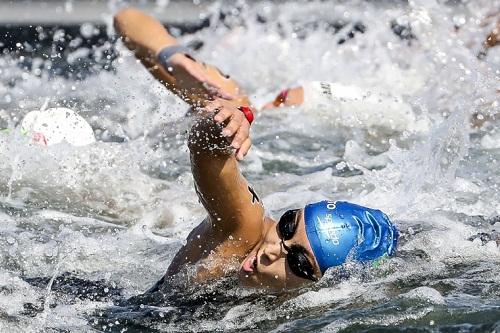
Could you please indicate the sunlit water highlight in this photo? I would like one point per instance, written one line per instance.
(84, 229)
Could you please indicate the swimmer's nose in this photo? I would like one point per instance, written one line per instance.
(270, 253)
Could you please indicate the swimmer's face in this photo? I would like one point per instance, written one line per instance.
(278, 261)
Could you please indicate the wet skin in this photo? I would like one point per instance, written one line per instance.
(266, 265)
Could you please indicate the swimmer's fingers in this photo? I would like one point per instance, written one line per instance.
(236, 126)
(217, 91)
(198, 73)
(234, 121)
(223, 113)
(243, 151)
(214, 106)
(242, 132)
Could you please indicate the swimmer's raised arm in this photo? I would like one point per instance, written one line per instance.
(235, 212)
(217, 141)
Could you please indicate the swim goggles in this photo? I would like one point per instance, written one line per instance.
(296, 256)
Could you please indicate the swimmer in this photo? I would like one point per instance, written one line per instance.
(237, 237)
(350, 105)
(363, 106)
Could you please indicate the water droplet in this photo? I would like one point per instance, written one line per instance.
(340, 165)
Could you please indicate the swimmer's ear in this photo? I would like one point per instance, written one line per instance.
(287, 98)
(279, 101)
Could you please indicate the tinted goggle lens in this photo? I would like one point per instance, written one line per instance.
(287, 224)
(299, 263)
(297, 260)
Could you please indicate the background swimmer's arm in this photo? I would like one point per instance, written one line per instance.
(196, 83)
(142, 33)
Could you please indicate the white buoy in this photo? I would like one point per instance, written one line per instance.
(56, 125)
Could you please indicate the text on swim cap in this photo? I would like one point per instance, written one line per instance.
(329, 229)
(331, 205)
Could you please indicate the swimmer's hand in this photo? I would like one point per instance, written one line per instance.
(193, 78)
(235, 126)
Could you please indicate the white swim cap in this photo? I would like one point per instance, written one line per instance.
(57, 125)
(352, 106)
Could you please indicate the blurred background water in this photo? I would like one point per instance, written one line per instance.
(85, 230)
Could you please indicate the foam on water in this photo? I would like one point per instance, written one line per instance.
(83, 228)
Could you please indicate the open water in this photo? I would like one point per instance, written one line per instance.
(84, 231)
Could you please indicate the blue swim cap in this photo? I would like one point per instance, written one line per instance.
(337, 230)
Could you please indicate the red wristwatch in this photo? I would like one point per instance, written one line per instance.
(247, 112)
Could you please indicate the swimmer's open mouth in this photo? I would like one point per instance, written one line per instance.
(250, 265)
